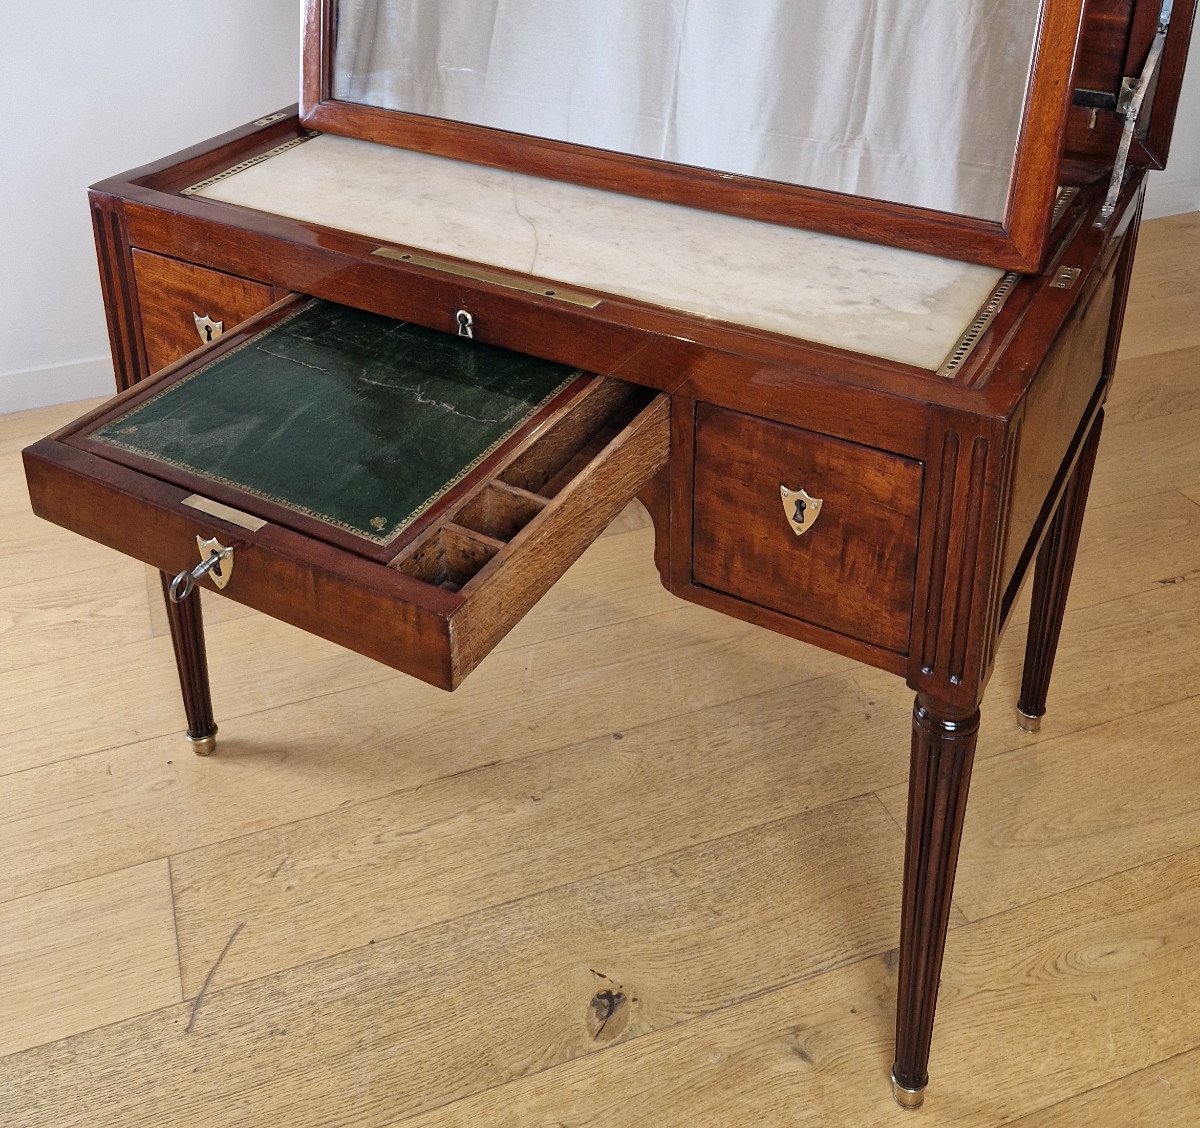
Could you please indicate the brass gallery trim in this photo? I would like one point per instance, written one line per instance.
(494, 277)
(224, 512)
(967, 342)
(243, 165)
(984, 318)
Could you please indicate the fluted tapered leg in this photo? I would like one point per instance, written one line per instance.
(187, 635)
(1051, 583)
(943, 748)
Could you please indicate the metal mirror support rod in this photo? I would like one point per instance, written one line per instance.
(1131, 106)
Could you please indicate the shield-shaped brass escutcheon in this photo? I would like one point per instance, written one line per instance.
(208, 329)
(221, 573)
(801, 509)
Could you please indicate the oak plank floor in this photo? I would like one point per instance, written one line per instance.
(627, 874)
(86, 933)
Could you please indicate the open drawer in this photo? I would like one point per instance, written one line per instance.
(405, 493)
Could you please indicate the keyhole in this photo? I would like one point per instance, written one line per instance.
(799, 517)
(466, 324)
(208, 333)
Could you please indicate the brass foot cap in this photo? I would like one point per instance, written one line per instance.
(1028, 723)
(204, 745)
(907, 1098)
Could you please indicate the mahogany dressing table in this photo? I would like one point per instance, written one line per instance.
(389, 363)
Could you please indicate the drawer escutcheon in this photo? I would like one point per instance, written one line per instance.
(208, 329)
(800, 509)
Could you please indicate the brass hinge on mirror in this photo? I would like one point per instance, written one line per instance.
(1065, 277)
(1130, 104)
(1129, 87)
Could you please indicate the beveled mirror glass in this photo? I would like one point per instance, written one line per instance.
(913, 101)
(920, 104)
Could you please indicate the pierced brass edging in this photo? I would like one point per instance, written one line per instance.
(967, 342)
(977, 328)
(243, 165)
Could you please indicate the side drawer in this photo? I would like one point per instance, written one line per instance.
(436, 589)
(184, 306)
(852, 570)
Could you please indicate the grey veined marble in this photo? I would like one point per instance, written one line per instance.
(894, 304)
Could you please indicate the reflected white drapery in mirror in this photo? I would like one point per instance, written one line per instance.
(916, 102)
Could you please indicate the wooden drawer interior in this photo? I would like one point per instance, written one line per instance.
(466, 546)
(501, 549)
(853, 571)
(184, 307)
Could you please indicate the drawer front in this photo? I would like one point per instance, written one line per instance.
(184, 306)
(853, 567)
(433, 599)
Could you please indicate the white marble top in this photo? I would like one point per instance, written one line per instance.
(894, 304)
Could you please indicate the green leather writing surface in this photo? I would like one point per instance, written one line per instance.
(345, 416)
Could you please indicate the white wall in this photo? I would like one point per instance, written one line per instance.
(89, 88)
(1177, 188)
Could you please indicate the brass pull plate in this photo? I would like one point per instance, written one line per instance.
(800, 508)
(225, 512)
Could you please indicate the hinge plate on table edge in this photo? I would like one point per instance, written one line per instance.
(494, 277)
(1065, 277)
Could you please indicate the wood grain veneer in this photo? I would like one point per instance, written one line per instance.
(171, 294)
(853, 572)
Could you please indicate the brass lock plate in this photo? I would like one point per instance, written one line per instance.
(800, 508)
(222, 571)
(208, 329)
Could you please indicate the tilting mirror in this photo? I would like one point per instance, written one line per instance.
(929, 106)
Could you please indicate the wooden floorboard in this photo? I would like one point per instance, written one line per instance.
(86, 954)
(1163, 1095)
(1038, 1004)
(1126, 808)
(144, 800)
(444, 1012)
(485, 837)
(1136, 459)
(1156, 385)
(642, 869)
(1156, 539)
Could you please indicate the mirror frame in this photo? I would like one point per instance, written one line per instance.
(1018, 242)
